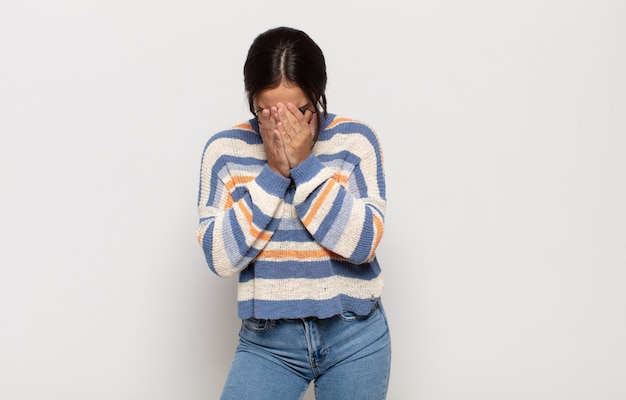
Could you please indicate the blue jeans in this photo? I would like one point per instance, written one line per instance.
(347, 356)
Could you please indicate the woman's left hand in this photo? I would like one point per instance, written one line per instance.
(297, 131)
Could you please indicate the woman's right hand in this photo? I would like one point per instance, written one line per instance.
(273, 142)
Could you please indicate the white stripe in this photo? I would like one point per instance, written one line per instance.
(309, 289)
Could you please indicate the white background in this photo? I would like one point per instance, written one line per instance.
(504, 131)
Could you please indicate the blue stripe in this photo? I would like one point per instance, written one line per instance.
(271, 182)
(359, 128)
(329, 219)
(292, 235)
(349, 162)
(304, 308)
(240, 134)
(259, 219)
(239, 193)
(226, 163)
(247, 136)
(338, 159)
(363, 248)
(338, 225)
(207, 243)
(352, 127)
(281, 269)
(359, 180)
(231, 231)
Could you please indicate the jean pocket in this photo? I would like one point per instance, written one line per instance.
(352, 316)
(256, 325)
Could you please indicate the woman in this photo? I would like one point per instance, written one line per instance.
(293, 201)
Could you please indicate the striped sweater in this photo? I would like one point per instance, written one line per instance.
(305, 246)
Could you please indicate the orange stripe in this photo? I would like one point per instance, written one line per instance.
(253, 231)
(318, 203)
(231, 184)
(244, 125)
(340, 178)
(337, 121)
(378, 223)
(201, 233)
(229, 202)
(259, 234)
(242, 179)
(238, 180)
(297, 254)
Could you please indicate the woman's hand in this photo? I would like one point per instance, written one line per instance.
(297, 131)
(273, 142)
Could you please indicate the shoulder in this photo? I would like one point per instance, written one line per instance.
(350, 129)
(238, 141)
(343, 123)
(243, 132)
(236, 137)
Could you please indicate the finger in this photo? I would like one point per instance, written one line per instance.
(274, 111)
(264, 118)
(294, 116)
(278, 140)
(313, 124)
(279, 113)
(297, 118)
(285, 125)
(285, 136)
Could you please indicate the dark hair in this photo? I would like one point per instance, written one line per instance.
(286, 54)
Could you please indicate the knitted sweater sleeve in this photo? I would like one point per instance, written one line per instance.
(342, 202)
(239, 203)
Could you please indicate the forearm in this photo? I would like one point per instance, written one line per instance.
(343, 215)
(233, 231)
